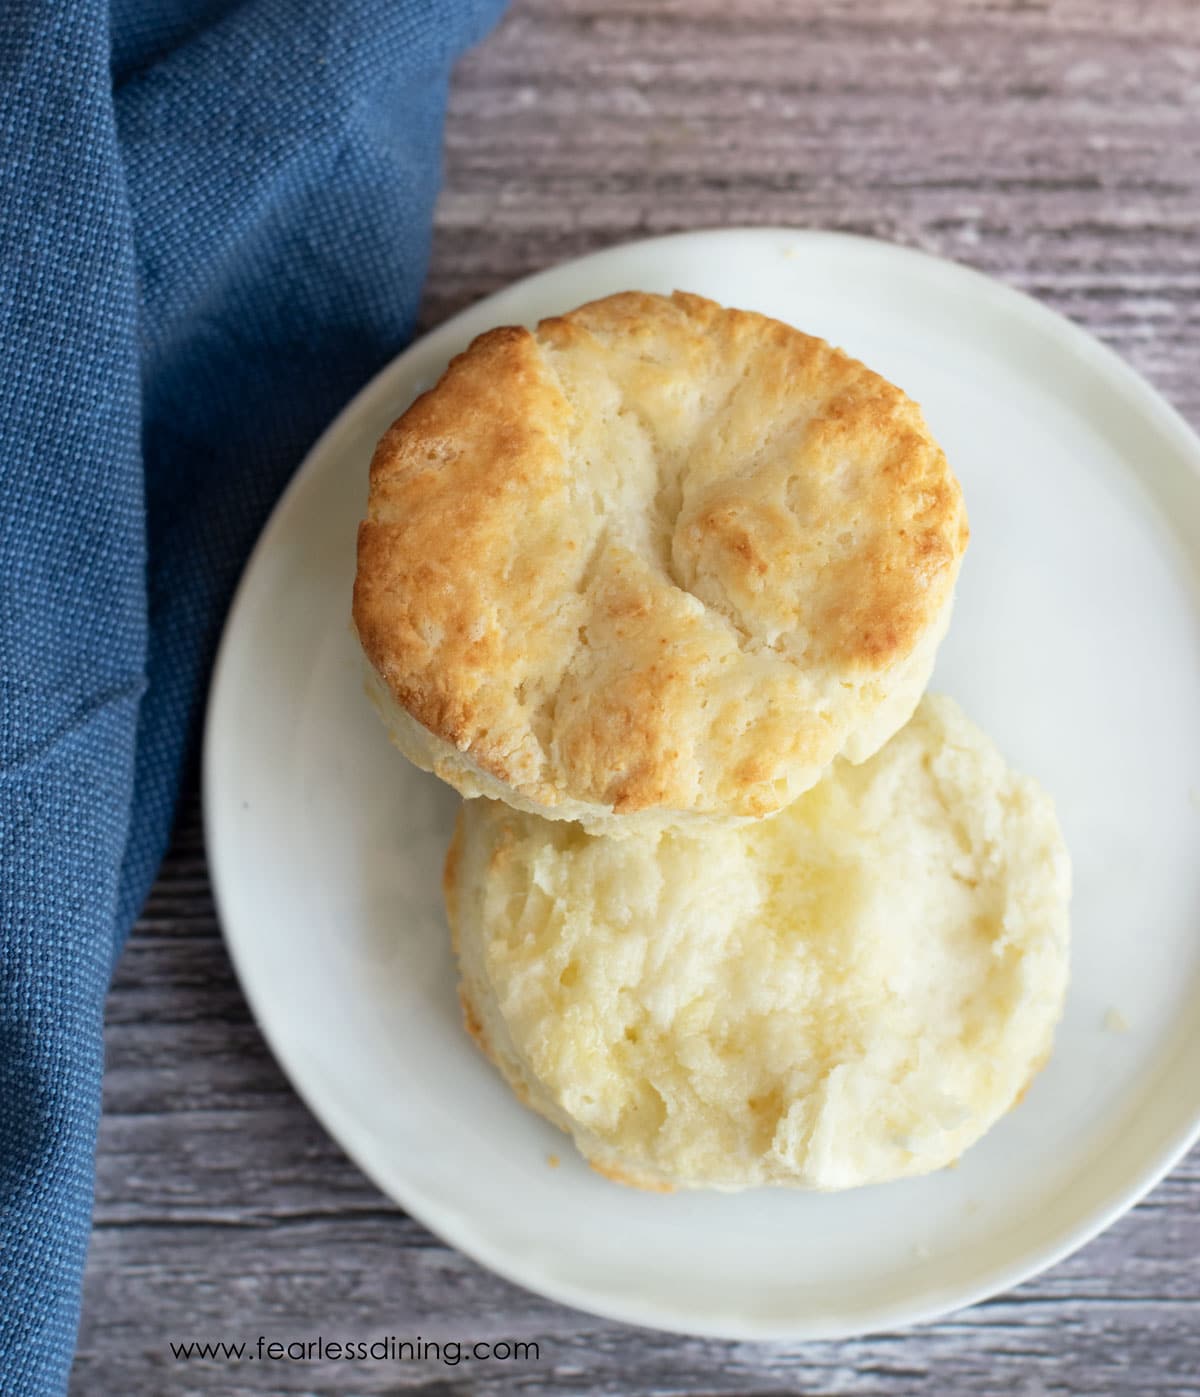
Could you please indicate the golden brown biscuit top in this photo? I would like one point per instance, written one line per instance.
(656, 553)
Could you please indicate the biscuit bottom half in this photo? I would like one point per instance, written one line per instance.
(852, 991)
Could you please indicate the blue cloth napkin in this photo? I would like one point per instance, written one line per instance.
(214, 224)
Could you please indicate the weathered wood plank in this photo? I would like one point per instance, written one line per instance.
(1052, 143)
(1055, 146)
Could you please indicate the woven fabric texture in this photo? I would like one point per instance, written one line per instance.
(214, 225)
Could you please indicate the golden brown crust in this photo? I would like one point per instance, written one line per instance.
(618, 1174)
(450, 880)
(658, 555)
(451, 484)
(479, 1036)
(473, 1025)
(1034, 1073)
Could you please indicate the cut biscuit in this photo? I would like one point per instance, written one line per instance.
(654, 563)
(850, 992)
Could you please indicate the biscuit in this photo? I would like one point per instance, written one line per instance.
(850, 992)
(655, 563)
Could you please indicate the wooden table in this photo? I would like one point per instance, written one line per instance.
(1054, 145)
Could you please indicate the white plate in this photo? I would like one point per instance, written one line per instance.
(1074, 644)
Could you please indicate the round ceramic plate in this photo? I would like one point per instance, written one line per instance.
(1074, 643)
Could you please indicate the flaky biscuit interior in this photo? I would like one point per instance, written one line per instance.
(852, 991)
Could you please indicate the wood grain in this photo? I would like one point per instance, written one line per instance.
(1055, 145)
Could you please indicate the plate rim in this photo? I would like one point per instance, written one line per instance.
(454, 1230)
